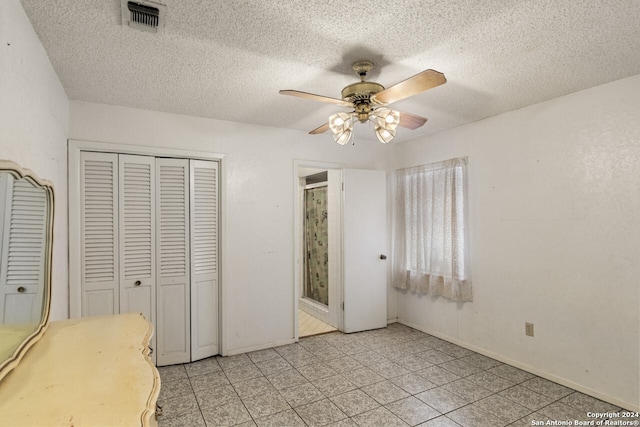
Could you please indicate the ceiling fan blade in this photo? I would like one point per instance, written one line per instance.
(321, 129)
(411, 121)
(315, 97)
(413, 85)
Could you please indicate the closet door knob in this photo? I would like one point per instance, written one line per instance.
(138, 283)
(383, 256)
(21, 289)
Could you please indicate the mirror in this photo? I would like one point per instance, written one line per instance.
(26, 231)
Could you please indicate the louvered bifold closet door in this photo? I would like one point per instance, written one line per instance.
(99, 233)
(204, 258)
(172, 234)
(23, 257)
(136, 179)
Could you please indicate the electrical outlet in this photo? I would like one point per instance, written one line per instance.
(528, 329)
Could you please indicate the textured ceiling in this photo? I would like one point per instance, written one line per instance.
(228, 59)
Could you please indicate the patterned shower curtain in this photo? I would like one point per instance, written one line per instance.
(316, 242)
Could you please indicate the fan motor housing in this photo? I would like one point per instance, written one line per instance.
(356, 90)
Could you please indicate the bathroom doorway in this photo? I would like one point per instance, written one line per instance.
(318, 242)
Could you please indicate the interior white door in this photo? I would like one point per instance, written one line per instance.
(364, 241)
(204, 258)
(173, 312)
(99, 239)
(136, 182)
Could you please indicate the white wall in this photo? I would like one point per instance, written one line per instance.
(554, 216)
(33, 126)
(258, 262)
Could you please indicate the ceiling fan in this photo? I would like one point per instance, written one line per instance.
(369, 101)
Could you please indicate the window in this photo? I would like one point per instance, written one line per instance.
(431, 242)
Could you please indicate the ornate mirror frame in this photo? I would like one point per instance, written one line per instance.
(19, 173)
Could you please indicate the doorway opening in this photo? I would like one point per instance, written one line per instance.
(356, 223)
(318, 242)
(316, 239)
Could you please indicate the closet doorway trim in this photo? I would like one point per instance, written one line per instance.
(73, 178)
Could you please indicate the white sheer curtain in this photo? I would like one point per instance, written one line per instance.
(431, 244)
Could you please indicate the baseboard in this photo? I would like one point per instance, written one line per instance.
(563, 381)
(393, 320)
(250, 348)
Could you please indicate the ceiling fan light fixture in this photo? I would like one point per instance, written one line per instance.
(343, 138)
(340, 122)
(341, 125)
(385, 135)
(387, 118)
(369, 102)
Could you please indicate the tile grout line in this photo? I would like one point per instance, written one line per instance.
(194, 393)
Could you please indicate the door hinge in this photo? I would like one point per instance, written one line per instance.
(343, 186)
(342, 305)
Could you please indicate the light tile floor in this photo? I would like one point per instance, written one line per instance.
(309, 325)
(395, 376)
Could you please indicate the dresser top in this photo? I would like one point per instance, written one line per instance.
(93, 371)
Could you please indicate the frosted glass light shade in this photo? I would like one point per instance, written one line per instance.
(387, 118)
(385, 135)
(341, 124)
(343, 138)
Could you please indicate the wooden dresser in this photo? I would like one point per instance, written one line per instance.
(93, 371)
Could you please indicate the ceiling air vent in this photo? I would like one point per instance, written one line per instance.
(143, 15)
